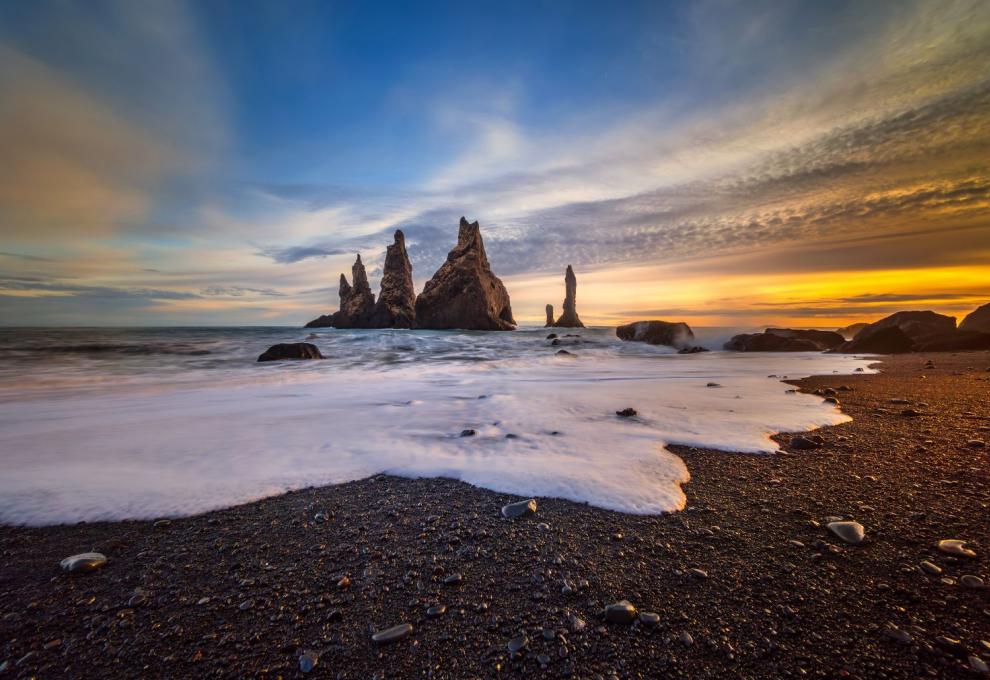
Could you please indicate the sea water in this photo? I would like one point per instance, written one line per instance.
(105, 424)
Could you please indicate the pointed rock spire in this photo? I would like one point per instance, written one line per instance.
(396, 306)
(570, 319)
(464, 293)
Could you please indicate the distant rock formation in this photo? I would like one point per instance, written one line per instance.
(464, 293)
(978, 320)
(850, 331)
(902, 332)
(549, 316)
(293, 350)
(785, 340)
(357, 302)
(396, 307)
(569, 319)
(674, 334)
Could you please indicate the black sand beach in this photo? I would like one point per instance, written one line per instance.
(746, 582)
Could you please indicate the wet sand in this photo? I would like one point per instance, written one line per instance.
(244, 592)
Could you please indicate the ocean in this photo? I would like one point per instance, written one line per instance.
(109, 424)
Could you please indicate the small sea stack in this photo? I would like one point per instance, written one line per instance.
(549, 322)
(396, 306)
(569, 319)
(464, 293)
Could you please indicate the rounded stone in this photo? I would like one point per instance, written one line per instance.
(849, 531)
(971, 581)
(622, 611)
(519, 509)
(649, 618)
(952, 546)
(308, 661)
(83, 562)
(392, 634)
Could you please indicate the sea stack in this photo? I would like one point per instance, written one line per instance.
(357, 302)
(396, 307)
(549, 316)
(464, 293)
(569, 319)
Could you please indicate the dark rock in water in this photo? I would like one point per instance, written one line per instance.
(392, 634)
(620, 612)
(978, 320)
(673, 334)
(884, 341)
(569, 319)
(564, 352)
(291, 350)
(464, 293)
(396, 306)
(904, 332)
(552, 336)
(785, 340)
(626, 412)
(850, 331)
(549, 316)
(322, 321)
(519, 509)
(83, 562)
(692, 350)
(468, 433)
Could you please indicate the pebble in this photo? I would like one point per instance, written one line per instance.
(976, 443)
(392, 634)
(649, 618)
(308, 661)
(971, 581)
(952, 546)
(517, 644)
(931, 568)
(453, 579)
(978, 665)
(519, 509)
(698, 573)
(83, 562)
(620, 612)
(897, 635)
(910, 413)
(626, 413)
(577, 623)
(436, 610)
(804, 444)
(245, 605)
(685, 638)
(849, 531)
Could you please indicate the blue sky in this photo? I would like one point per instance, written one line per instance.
(221, 162)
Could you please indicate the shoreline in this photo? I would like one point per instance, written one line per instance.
(776, 595)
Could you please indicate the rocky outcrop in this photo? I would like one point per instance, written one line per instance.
(673, 334)
(850, 331)
(357, 302)
(956, 341)
(293, 350)
(903, 332)
(785, 340)
(569, 319)
(464, 293)
(549, 317)
(396, 307)
(978, 320)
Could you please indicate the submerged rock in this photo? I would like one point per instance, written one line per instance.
(291, 350)
(672, 334)
(569, 319)
(464, 293)
(396, 306)
(83, 562)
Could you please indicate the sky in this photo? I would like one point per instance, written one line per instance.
(716, 162)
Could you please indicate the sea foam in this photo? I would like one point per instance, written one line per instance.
(156, 448)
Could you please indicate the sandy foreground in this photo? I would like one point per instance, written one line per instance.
(746, 582)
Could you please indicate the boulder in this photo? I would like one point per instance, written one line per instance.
(291, 350)
(914, 325)
(673, 334)
(978, 320)
(396, 306)
(549, 322)
(953, 342)
(785, 340)
(569, 319)
(464, 293)
(891, 340)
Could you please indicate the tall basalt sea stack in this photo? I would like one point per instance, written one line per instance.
(357, 302)
(549, 316)
(569, 319)
(464, 293)
(396, 307)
